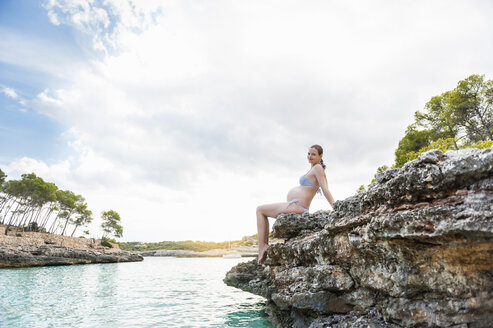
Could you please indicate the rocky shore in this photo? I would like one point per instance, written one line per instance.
(26, 256)
(415, 250)
(42, 249)
(238, 252)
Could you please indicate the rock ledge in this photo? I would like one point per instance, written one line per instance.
(415, 250)
(48, 255)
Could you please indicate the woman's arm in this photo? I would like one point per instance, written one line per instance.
(322, 182)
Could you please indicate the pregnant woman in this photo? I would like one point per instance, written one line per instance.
(298, 200)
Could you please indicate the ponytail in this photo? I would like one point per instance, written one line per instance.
(322, 163)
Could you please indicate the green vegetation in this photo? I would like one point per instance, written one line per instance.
(456, 119)
(111, 224)
(461, 118)
(107, 242)
(189, 245)
(32, 204)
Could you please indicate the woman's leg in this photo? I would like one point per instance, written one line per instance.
(263, 212)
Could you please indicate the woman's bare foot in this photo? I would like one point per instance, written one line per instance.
(262, 254)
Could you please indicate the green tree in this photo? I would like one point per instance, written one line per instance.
(3, 176)
(31, 202)
(42, 199)
(14, 190)
(111, 224)
(31, 194)
(455, 119)
(82, 218)
(439, 119)
(472, 105)
(69, 202)
(3, 197)
(64, 202)
(413, 141)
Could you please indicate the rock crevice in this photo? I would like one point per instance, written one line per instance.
(415, 250)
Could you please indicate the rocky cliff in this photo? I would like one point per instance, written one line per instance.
(415, 250)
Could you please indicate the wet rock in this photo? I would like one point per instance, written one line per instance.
(415, 250)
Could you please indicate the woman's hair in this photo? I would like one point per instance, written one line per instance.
(320, 151)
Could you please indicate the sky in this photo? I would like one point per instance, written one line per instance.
(184, 116)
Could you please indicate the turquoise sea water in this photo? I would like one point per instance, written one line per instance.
(158, 292)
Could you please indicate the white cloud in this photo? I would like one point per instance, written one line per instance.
(107, 21)
(59, 171)
(9, 92)
(198, 111)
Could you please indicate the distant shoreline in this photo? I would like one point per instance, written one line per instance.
(247, 244)
(239, 251)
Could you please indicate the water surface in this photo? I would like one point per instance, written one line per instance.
(158, 292)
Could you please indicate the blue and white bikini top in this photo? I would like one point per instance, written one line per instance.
(305, 182)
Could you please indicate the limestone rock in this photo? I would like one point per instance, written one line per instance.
(415, 250)
(291, 225)
(46, 255)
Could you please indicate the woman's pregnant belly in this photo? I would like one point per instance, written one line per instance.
(298, 193)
